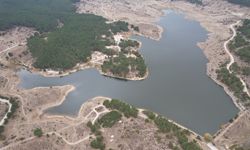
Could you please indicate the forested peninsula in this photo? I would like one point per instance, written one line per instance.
(66, 38)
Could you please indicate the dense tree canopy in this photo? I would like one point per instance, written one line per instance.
(40, 14)
(126, 109)
(59, 47)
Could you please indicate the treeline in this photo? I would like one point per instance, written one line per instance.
(126, 109)
(164, 126)
(240, 2)
(233, 82)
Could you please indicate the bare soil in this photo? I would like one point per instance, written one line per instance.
(4, 108)
(237, 134)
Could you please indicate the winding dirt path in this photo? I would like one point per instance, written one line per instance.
(232, 60)
(226, 46)
(243, 110)
(59, 135)
(9, 48)
(9, 110)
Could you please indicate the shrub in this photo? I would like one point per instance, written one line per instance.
(98, 143)
(149, 114)
(38, 132)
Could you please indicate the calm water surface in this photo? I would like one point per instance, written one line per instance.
(177, 86)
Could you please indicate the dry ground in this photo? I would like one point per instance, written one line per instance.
(4, 108)
(14, 37)
(72, 133)
(237, 134)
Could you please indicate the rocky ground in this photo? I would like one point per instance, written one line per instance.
(14, 37)
(237, 135)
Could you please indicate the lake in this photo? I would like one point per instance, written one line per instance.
(177, 86)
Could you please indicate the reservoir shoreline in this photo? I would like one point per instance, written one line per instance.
(114, 81)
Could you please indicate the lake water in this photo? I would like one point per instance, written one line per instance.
(177, 86)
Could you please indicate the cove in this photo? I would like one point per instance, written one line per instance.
(177, 86)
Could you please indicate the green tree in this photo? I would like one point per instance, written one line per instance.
(38, 132)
